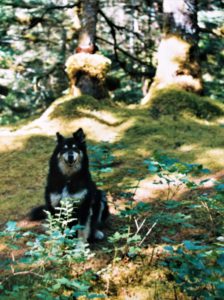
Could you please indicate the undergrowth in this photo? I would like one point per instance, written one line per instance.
(50, 268)
(190, 233)
(164, 247)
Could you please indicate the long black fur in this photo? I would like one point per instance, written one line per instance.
(59, 180)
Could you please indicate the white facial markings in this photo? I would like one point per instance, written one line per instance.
(74, 155)
(67, 169)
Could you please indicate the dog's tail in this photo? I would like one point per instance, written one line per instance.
(38, 213)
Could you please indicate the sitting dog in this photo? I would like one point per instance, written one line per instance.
(69, 177)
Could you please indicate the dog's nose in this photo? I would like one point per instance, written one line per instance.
(70, 157)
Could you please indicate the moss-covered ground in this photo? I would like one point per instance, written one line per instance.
(176, 123)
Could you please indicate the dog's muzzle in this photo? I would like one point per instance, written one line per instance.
(70, 157)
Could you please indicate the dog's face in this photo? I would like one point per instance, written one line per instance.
(70, 152)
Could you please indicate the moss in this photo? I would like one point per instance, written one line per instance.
(193, 140)
(173, 101)
(95, 65)
(69, 108)
(23, 181)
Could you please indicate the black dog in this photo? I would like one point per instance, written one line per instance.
(69, 177)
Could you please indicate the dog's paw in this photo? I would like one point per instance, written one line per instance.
(99, 235)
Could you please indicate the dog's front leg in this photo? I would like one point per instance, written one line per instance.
(83, 234)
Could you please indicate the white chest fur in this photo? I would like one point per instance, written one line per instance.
(55, 198)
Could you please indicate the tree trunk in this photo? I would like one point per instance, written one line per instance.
(177, 54)
(87, 69)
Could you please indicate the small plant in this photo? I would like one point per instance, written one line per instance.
(53, 261)
(129, 240)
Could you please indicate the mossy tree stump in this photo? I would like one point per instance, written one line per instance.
(87, 74)
(87, 68)
(178, 50)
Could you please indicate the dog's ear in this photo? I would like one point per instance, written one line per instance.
(60, 137)
(79, 135)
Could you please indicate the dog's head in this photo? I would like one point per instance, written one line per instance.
(70, 151)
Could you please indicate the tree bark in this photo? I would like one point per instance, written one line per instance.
(87, 69)
(87, 34)
(178, 50)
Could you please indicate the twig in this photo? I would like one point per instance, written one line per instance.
(139, 227)
(152, 70)
(152, 255)
(148, 232)
(118, 27)
(20, 273)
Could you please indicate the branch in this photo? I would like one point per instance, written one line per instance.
(148, 232)
(21, 273)
(113, 33)
(151, 71)
(118, 27)
(25, 5)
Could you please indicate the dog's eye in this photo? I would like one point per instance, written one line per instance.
(65, 146)
(73, 146)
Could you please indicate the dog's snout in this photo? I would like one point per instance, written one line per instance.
(71, 156)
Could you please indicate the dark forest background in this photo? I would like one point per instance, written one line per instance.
(37, 36)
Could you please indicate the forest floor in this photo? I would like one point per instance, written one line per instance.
(129, 136)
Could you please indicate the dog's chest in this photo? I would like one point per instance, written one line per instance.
(78, 196)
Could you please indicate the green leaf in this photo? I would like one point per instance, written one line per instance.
(56, 286)
(106, 170)
(170, 204)
(220, 260)
(11, 226)
(99, 296)
(220, 187)
(169, 248)
(152, 168)
(167, 240)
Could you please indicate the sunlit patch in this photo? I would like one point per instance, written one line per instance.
(188, 148)
(212, 158)
(175, 67)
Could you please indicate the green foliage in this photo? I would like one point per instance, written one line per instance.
(101, 161)
(33, 64)
(54, 268)
(129, 91)
(48, 262)
(211, 50)
(197, 268)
